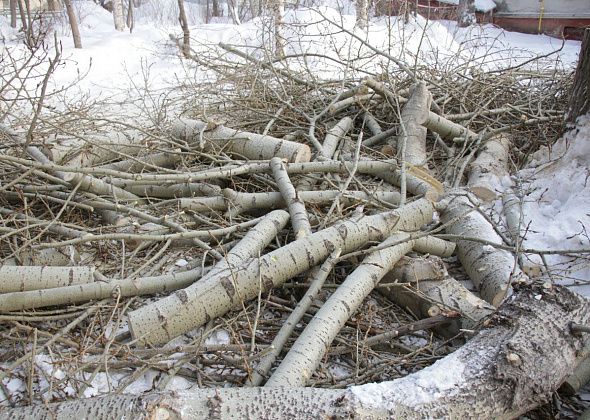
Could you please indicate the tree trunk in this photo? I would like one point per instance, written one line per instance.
(186, 35)
(118, 15)
(23, 15)
(362, 14)
(13, 6)
(466, 13)
(507, 369)
(580, 97)
(278, 10)
(215, 11)
(233, 11)
(489, 168)
(130, 16)
(73, 24)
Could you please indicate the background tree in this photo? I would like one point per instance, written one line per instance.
(118, 15)
(466, 13)
(73, 24)
(186, 41)
(13, 13)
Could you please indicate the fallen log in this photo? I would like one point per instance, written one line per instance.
(492, 270)
(20, 278)
(249, 145)
(510, 367)
(160, 321)
(488, 169)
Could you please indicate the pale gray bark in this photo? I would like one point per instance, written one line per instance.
(186, 35)
(507, 369)
(492, 270)
(447, 129)
(413, 134)
(310, 347)
(172, 190)
(118, 18)
(278, 10)
(249, 145)
(296, 206)
(257, 238)
(73, 24)
(252, 201)
(362, 14)
(49, 256)
(190, 308)
(22, 278)
(434, 246)
(334, 136)
(488, 169)
(144, 163)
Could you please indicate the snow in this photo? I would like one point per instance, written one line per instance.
(480, 5)
(416, 389)
(557, 201)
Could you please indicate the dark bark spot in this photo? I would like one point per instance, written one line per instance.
(228, 285)
(346, 306)
(71, 276)
(181, 294)
(329, 245)
(267, 283)
(343, 231)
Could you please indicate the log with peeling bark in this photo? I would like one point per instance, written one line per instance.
(213, 296)
(492, 270)
(249, 145)
(20, 278)
(411, 142)
(488, 169)
(511, 366)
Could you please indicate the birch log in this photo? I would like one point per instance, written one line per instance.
(22, 278)
(253, 201)
(50, 256)
(142, 163)
(299, 217)
(488, 169)
(447, 129)
(160, 321)
(254, 241)
(310, 347)
(248, 145)
(507, 369)
(492, 270)
(413, 117)
(334, 136)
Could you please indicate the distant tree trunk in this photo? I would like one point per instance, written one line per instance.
(466, 13)
(73, 24)
(362, 12)
(13, 13)
(186, 41)
(278, 10)
(216, 11)
(233, 11)
(118, 15)
(580, 96)
(23, 16)
(52, 5)
(130, 17)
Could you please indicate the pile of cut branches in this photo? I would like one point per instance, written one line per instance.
(286, 232)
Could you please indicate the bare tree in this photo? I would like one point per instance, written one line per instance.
(466, 13)
(73, 24)
(118, 15)
(580, 96)
(233, 11)
(186, 41)
(278, 10)
(130, 17)
(13, 13)
(23, 16)
(362, 11)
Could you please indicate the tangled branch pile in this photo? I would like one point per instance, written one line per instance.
(172, 256)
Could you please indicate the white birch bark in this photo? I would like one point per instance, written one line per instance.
(413, 117)
(253, 201)
(488, 169)
(492, 270)
(310, 347)
(334, 136)
(118, 15)
(447, 129)
(160, 321)
(296, 206)
(140, 164)
(21, 278)
(249, 145)
(49, 256)
(362, 14)
(507, 369)
(256, 239)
